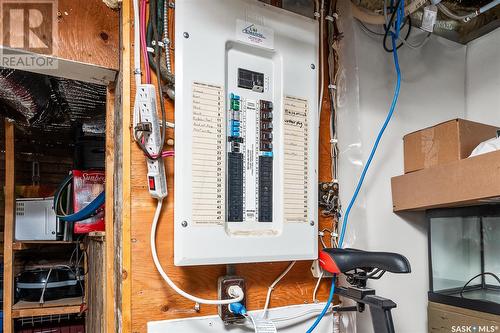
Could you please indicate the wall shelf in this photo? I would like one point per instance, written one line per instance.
(24, 245)
(55, 307)
(467, 182)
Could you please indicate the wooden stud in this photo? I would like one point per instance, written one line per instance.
(109, 266)
(125, 274)
(10, 200)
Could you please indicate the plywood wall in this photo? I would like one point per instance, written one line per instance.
(145, 296)
(83, 31)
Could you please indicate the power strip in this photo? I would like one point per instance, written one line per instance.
(145, 107)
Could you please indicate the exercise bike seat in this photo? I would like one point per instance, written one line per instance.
(337, 261)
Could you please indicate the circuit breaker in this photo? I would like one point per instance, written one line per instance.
(246, 133)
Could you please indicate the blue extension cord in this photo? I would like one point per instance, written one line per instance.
(394, 37)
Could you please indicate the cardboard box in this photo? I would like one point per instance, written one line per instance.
(444, 143)
(471, 181)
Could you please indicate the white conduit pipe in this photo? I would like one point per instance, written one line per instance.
(372, 18)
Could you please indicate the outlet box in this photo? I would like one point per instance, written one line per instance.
(224, 283)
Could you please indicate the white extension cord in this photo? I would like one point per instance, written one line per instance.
(237, 292)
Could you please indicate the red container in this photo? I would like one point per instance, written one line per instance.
(87, 185)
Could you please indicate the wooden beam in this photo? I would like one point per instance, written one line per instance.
(109, 261)
(10, 200)
(126, 276)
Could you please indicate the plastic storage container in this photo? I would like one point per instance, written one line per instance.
(464, 257)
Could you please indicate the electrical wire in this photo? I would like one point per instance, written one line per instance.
(165, 276)
(388, 30)
(475, 277)
(158, 78)
(374, 34)
(143, 40)
(325, 309)
(138, 134)
(302, 314)
(166, 37)
(394, 36)
(273, 285)
(165, 75)
(379, 136)
(252, 320)
(402, 40)
(315, 300)
(377, 19)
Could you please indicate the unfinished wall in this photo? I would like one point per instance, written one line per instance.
(145, 296)
(483, 79)
(432, 91)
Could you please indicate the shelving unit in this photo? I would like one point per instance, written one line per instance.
(23, 309)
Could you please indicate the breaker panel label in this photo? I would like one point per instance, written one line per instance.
(208, 140)
(255, 34)
(296, 163)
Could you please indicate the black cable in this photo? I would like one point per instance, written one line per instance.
(158, 79)
(370, 30)
(475, 277)
(165, 76)
(387, 28)
(410, 25)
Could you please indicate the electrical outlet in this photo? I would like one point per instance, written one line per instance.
(224, 283)
(146, 109)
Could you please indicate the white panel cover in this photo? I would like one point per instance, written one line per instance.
(214, 39)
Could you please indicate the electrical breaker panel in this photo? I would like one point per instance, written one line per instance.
(246, 134)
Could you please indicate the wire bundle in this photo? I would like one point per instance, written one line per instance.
(394, 32)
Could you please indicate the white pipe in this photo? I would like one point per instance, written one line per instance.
(372, 18)
(489, 6)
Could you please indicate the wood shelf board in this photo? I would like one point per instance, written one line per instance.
(23, 245)
(55, 307)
